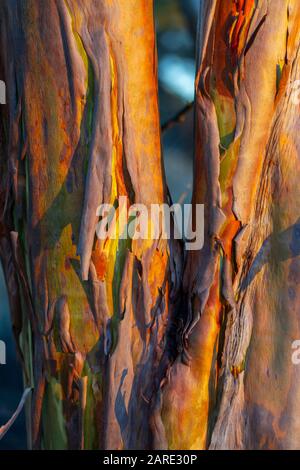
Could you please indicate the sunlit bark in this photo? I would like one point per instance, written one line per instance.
(96, 323)
(241, 389)
(81, 128)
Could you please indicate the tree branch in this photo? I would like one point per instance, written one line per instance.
(178, 118)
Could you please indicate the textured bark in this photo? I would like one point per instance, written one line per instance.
(112, 362)
(81, 128)
(241, 389)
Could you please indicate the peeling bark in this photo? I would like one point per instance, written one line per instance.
(118, 355)
(91, 317)
(241, 390)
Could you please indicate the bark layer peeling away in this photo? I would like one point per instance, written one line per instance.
(92, 318)
(241, 389)
(123, 344)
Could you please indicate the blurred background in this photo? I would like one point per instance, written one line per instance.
(176, 22)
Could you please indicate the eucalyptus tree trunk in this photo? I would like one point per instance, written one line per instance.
(241, 388)
(81, 128)
(111, 360)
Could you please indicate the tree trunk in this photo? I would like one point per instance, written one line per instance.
(112, 361)
(82, 128)
(241, 389)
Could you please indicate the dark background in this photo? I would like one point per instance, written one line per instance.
(176, 29)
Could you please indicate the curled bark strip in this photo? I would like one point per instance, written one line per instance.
(21, 272)
(98, 183)
(126, 284)
(63, 320)
(6, 427)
